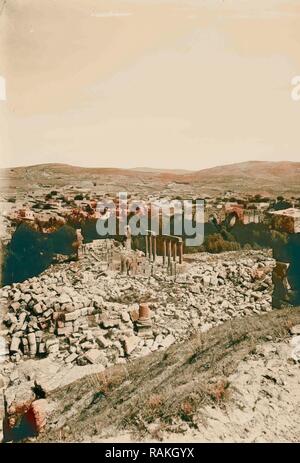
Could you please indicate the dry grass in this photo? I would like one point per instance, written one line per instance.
(168, 385)
(109, 379)
(155, 402)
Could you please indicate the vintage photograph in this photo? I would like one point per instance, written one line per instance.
(150, 222)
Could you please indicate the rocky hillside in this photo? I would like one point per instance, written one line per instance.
(239, 382)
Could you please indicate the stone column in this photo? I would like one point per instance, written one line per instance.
(174, 269)
(169, 244)
(79, 241)
(180, 252)
(150, 247)
(154, 248)
(32, 344)
(128, 238)
(147, 245)
(123, 264)
(164, 251)
(144, 311)
(174, 251)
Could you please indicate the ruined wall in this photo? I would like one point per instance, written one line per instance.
(286, 276)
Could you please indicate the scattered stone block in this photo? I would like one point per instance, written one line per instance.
(109, 323)
(134, 315)
(103, 342)
(295, 329)
(71, 316)
(38, 309)
(64, 331)
(130, 344)
(15, 343)
(125, 317)
(94, 356)
(71, 357)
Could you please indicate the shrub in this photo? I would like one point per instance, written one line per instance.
(155, 401)
(215, 243)
(218, 391)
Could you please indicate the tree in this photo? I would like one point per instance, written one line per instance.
(215, 243)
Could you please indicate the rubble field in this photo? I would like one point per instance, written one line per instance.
(80, 314)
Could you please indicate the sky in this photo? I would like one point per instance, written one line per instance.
(181, 84)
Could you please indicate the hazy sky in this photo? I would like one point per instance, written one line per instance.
(159, 83)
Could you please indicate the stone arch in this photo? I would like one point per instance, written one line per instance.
(213, 218)
(232, 219)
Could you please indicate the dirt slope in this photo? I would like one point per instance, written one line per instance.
(180, 390)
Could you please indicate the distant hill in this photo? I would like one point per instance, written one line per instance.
(254, 177)
(166, 171)
(63, 169)
(253, 169)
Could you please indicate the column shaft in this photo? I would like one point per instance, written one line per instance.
(154, 248)
(174, 250)
(164, 251)
(169, 245)
(147, 245)
(180, 252)
(150, 247)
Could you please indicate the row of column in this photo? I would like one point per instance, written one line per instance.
(151, 247)
(172, 248)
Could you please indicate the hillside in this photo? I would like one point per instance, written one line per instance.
(164, 171)
(253, 177)
(218, 386)
(259, 176)
(253, 169)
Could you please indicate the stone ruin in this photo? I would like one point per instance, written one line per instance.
(122, 258)
(286, 274)
(115, 304)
